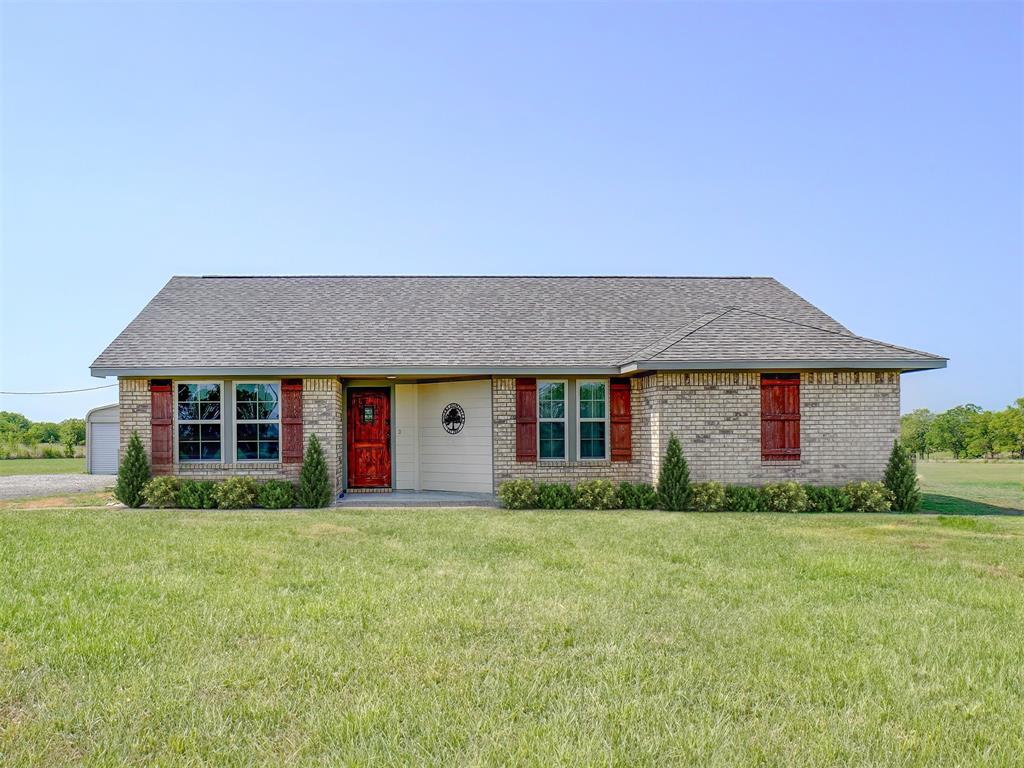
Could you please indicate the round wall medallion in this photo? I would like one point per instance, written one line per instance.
(453, 418)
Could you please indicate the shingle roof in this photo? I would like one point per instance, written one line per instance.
(434, 323)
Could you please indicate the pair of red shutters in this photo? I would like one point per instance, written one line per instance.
(621, 418)
(162, 422)
(780, 418)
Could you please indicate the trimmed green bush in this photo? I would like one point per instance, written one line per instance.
(826, 500)
(276, 494)
(674, 478)
(742, 498)
(237, 493)
(314, 479)
(133, 474)
(193, 494)
(518, 494)
(786, 497)
(555, 496)
(637, 496)
(868, 497)
(707, 497)
(161, 492)
(596, 494)
(901, 480)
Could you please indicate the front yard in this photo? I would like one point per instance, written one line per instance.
(488, 637)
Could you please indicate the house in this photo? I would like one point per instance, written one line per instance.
(460, 383)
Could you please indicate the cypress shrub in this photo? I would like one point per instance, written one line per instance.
(674, 478)
(314, 480)
(901, 480)
(133, 474)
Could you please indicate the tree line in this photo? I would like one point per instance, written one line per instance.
(966, 431)
(17, 429)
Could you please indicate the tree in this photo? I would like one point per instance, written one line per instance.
(72, 433)
(914, 431)
(44, 432)
(13, 426)
(314, 479)
(1008, 426)
(981, 435)
(948, 431)
(674, 478)
(133, 474)
(901, 480)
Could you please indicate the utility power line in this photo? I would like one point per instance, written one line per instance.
(61, 391)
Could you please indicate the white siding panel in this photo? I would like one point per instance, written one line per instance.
(407, 476)
(459, 462)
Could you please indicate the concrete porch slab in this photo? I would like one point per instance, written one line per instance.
(415, 499)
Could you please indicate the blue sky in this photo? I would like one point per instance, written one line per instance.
(867, 155)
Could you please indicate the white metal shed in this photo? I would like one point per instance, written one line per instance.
(102, 440)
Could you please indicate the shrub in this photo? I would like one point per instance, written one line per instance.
(826, 500)
(783, 497)
(596, 494)
(901, 480)
(237, 493)
(277, 494)
(707, 497)
(555, 496)
(637, 496)
(314, 480)
(49, 452)
(518, 494)
(868, 497)
(742, 498)
(197, 495)
(133, 474)
(674, 478)
(161, 492)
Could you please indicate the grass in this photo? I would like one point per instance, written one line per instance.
(41, 467)
(971, 487)
(485, 637)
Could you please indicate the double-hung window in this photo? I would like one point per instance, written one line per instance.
(592, 397)
(199, 419)
(551, 419)
(257, 421)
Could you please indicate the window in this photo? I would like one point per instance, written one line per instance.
(199, 420)
(593, 408)
(780, 416)
(551, 419)
(257, 421)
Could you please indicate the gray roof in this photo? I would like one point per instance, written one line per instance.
(473, 324)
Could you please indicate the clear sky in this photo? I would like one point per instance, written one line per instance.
(867, 155)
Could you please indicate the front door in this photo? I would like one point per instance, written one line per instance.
(369, 438)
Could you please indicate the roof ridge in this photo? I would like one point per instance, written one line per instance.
(480, 277)
(846, 334)
(655, 348)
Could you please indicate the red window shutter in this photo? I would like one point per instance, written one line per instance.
(291, 421)
(780, 417)
(622, 421)
(161, 422)
(526, 419)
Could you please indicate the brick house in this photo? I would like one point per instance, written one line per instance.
(459, 383)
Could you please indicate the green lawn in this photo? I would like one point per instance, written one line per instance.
(485, 637)
(971, 487)
(41, 467)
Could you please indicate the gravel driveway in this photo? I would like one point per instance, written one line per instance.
(23, 486)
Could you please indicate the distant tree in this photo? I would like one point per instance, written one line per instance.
(1008, 426)
(914, 431)
(44, 432)
(981, 435)
(901, 480)
(13, 426)
(72, 433)
(949, 430)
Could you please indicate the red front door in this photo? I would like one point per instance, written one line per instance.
(369, 438)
